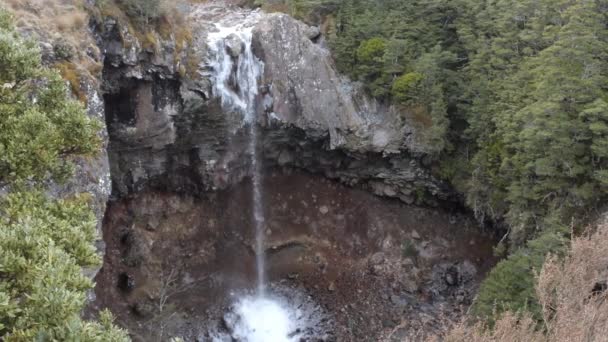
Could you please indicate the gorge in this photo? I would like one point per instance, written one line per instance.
(243, 157)
(303, 170)
(247, 191)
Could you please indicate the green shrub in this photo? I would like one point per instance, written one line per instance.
(511, 284)
(404, 87)
(370, 66)
(371, 51)
(39, 127)
(143, 11)
(44, 243)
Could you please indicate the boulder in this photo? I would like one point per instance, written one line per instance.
(234, 45)
(308, 93)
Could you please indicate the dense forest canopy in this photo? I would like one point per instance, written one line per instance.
(515, 97)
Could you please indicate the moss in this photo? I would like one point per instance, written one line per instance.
(408, 250)
(420, 194)
(183, 38)
(190, 66)
(276, 8)
(69, 71)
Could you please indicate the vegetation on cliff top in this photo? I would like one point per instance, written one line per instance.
(514, 98)
(44, 243)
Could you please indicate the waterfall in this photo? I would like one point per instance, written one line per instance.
(236, 72)
(263, 317)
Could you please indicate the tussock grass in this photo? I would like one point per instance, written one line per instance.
(63, 22)
(572, 293)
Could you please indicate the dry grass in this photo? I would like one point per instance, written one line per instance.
(71, 22)
(71, 73)
(274, 8)
(64, 22)
(573, 296)
(52, 19)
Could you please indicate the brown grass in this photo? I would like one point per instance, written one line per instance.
(69, 71)
(51, 18)
(62, 21)
(572, 293)
(272, 8)
(71, 22)
(421, 116)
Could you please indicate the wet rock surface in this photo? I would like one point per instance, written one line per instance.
(379, 269)
(169, 131)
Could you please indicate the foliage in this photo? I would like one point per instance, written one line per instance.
(386, 45)
(370, 54)
(44, 243)
(405, 88)
(512, 100)
(571, 292)
(144, 11)
(39, 128)
(510, 284)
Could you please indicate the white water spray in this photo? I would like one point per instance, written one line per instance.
(262, 320)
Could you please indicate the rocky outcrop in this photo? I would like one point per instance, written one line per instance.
(169, 130)
(304, 90)
(321, 122)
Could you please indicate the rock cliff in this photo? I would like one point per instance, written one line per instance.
(169, 130)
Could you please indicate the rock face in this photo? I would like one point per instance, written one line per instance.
(339, 255)
(304, 90)
(169, 130)
(177, 151)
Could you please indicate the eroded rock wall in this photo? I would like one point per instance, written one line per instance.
(169, 131)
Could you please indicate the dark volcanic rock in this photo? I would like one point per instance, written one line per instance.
(168, 131)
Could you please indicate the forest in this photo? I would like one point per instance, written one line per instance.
(515, 97)
(512, 96)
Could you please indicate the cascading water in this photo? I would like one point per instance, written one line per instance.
(237, 71)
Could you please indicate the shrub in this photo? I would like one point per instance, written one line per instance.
(44, 243)
(37, 137)
(370, 67)
(510, 285)
(143, 11)
(405, 86)
(371, 50)
(572, 300)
